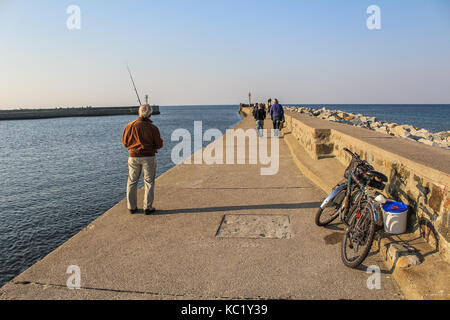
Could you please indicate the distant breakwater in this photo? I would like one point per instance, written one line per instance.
(26, 114)
(406, 131)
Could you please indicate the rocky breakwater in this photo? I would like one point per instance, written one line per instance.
(439, 139)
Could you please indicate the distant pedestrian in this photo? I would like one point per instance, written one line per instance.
(254, 108)
(260, 115)
(277, 114)
(142, 138)
(269, 105)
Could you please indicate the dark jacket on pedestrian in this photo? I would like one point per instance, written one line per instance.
(254, 110)
(259, 114)
(276, 111)
(142, 138)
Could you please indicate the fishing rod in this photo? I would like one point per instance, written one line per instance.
(134, 85)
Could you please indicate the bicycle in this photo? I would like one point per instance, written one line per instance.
(334, 205)
(358, 210)
(365, 215)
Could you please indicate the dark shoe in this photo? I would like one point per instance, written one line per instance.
(149, 211)
(132, 211)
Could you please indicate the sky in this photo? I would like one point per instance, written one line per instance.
(216, 51)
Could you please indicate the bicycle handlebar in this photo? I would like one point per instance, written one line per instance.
(352, 154)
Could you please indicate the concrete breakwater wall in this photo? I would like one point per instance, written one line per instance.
(70, 112)
(419, 175)
(439, 139)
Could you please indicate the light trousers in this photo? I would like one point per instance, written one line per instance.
(136, 165)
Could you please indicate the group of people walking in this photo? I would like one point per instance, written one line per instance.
(276, 112)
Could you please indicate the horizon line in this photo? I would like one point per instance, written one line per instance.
(230, 104)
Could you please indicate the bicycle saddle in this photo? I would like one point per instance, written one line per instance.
(376, 174)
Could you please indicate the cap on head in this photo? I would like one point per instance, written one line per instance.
(145, 111)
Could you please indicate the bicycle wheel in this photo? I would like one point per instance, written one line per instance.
(359, 235)
(330, 212)
(355, 200)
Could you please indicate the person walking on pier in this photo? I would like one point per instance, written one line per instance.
(254, 109)
(142, 138)
(277, 114)
(260, 115)
(269, 105)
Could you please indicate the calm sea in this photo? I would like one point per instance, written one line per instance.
(57, 175)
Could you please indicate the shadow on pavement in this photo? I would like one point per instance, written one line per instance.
(306, 205)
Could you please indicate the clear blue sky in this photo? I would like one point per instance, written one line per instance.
(215, 52)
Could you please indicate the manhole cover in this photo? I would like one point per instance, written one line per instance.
(254, 226)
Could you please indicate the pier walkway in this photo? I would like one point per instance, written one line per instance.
(268, 246)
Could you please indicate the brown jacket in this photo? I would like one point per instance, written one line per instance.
(142, 138)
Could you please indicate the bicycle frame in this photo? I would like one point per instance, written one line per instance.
(346, 205)
(375, 206)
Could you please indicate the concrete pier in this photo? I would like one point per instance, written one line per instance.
(220, 232)
(27, 114)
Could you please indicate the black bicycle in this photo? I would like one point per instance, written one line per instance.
(364, 215)
(356, 208)
(358, 173)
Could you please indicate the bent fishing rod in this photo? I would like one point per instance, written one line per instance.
(135, 90)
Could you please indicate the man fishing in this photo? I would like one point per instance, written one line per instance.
(142, 138)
